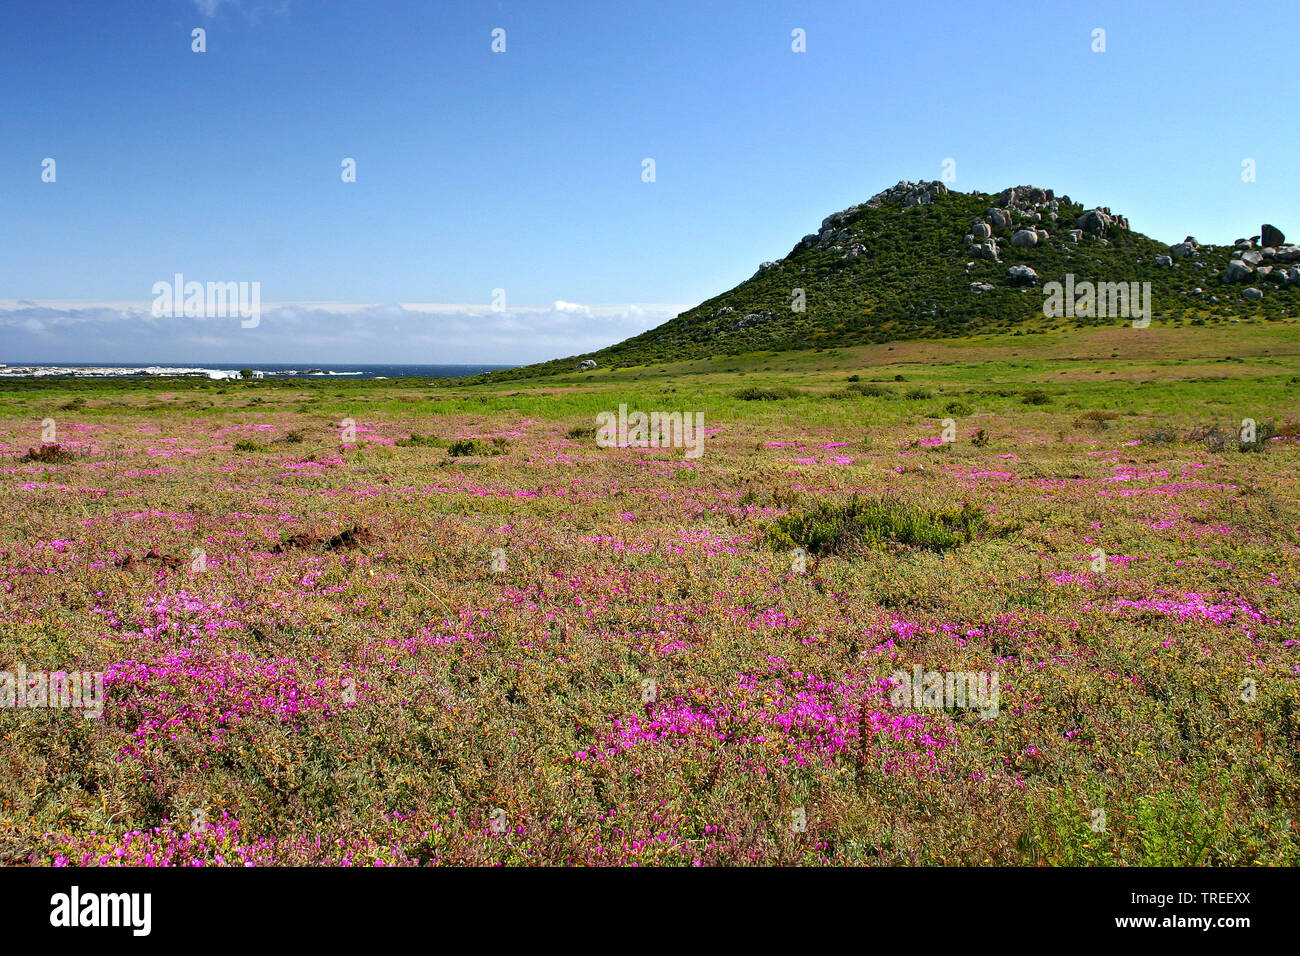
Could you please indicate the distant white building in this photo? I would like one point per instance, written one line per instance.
(257, 374)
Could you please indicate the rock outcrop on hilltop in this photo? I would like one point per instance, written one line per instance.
(833, 233)
(1265, 258)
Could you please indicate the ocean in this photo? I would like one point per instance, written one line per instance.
(275, 370)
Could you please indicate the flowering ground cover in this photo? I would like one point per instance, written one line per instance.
(391, 650)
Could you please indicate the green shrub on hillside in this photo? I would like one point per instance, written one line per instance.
(754, 393)
(464, 447)
(845, 528)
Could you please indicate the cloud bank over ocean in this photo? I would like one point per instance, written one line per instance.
(67, 331)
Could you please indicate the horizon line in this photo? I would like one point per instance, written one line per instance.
(128, 305)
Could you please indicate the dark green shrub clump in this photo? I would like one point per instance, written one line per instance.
(1218, 440)
(421, 441)
(849, 527)
(1160, 435)
(464, 447)
(50, 455)
(1097, 420)
(753, 393)
(1264, 433)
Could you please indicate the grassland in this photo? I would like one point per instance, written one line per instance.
(541, 651)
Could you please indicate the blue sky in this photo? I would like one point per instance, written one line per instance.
(522, 170)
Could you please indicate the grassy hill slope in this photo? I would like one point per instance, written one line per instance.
(886, 271)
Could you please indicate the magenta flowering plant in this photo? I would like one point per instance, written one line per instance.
(384, 654)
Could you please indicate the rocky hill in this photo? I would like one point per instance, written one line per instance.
(919, 260)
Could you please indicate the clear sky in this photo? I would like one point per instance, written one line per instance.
(522, 170)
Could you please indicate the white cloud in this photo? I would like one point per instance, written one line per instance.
(209, 8)
(254, 11)
(324, 333)
(562, 306)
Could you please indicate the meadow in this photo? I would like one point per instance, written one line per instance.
(413, 622)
